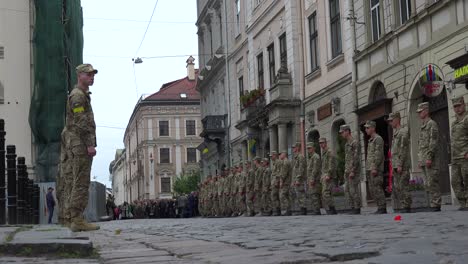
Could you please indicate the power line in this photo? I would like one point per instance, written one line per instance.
(149, 23)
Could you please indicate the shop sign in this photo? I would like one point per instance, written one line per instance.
(461, 73)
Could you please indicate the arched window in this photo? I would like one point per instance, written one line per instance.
(377, 92)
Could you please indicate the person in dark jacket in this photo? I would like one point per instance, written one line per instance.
(50, 200)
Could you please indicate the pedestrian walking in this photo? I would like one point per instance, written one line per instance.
(50, 200)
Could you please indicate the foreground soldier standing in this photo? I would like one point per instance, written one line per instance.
(258, 203)
(313, 178)
(250, 191)
(299, 177)
(275, 184)
(285, 183)
(328, 176)
(375, 166)
(79, 142)
(428, 155)
(460, 153)
(266, 188)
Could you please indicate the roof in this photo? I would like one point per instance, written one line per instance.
(172, 90)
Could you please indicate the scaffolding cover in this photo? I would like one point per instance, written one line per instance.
(57, 49)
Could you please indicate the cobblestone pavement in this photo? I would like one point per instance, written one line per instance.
(440, 237)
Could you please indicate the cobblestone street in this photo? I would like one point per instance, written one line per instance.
(417, 238)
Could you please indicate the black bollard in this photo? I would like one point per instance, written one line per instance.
(36, 197)
(2, 173)
(11, 177)
(29, 195)
(22, 175)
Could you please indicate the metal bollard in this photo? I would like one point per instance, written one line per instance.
(11, 177)
(36, 197)
(22, 175)
(2, 173)
(29, 195)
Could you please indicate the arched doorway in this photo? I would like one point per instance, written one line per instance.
(338, 145)
(438, 108)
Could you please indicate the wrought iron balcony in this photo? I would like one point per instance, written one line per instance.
(213, 124)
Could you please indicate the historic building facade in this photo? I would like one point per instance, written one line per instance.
(161, 138)
(118, 177)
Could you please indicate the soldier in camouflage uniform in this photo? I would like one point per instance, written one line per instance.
(352, 169)
(250, 191)
(275, 184)
(328, 176)
(258, 203)
(460, 153)
(242, 189)
(400, 163)
(79, 145)
(375, 166)
(285, 183)
(216, 197)
(233, 190)
(428, 155)
(313, 178)
(266, 188)
(299, 177)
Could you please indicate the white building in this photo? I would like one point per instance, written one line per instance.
(118, 177)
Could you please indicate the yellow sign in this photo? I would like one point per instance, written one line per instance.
(461, 72)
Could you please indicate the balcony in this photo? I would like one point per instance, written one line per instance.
(213, 124)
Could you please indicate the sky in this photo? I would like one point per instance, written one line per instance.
(113, 32)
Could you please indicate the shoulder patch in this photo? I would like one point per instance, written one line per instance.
(78, 109)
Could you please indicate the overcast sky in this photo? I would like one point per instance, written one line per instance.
(113, 31)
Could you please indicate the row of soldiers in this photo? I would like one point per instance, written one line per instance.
(247, 189)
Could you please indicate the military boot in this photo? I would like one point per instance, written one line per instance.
(79, 224)
(381, 211)
(405, 210)
(355, 211)
(287, 213)
(304, 211)
(332, 211)
(316, 212)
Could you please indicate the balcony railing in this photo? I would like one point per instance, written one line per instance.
(213, 124)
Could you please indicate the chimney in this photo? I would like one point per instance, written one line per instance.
(191, 68)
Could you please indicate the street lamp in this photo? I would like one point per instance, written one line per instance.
(137, 60)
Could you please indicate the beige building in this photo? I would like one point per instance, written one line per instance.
(403, 51)
(118, 177)
(161, 138)
(15, 75)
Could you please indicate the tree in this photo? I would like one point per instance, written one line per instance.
(186, 182)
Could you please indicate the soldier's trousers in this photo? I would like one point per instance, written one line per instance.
(354, 191)
(250, 202)
(81, 174)
(376, 189)
(266, 198)
(327, 197)
(285, 198)
(300, 195)
(64, 180)
(241, 203)
(431, 182)
(275, 198)
(315, 195)
(401, 191)
(460, 181)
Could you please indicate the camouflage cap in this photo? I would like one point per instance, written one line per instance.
(257, 158)
(370, 123)
(273, 152)
(422, 107)
(322, 140)
(85, 68)
(343, 128)
(247, 162)
(266, 160)
(310, 144)
(393, 115)
(297, 144)
(458, 101)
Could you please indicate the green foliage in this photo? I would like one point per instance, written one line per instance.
(186, 183)
(340, 159)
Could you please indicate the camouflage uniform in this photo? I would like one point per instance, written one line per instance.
(233, 191)
(375, 161)
(352, 165)
(429, 150)
(299, 177)
(459, 150)
(313, 178)
(258, 186)
(328, 169)
(266, 190)
(275, 186)
(250, 192)
(242, 190)
(400, 158)
(285, 184)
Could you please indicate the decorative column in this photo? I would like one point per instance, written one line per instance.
(273, 131)
(282, 137)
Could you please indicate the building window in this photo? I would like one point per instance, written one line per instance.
(164, 155)
(335, 27)
(191, 155)
(163, 128)
(166, 185)
(2, 94)
(261, 80)
(375, 19)
(190, 128)
(220, 19)
(283, 49)
(211, 40)
(271, 63)
(240, 83)
(313, 41)
(238, 9)
(405, 10)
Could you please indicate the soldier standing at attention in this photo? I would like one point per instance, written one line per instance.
(352, 169)
(313, 178)
(285, 183)
(328, 176)
(250, 191)
(266, 188)
(460, 153)
(299, 177)
(428, 155)
(79, 142)
(258, 184)
(375, 166)
(400, 163)
(275, 184)
(242, 188)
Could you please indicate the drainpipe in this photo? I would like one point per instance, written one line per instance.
(227, 90)
(302, 76)
(354, 64)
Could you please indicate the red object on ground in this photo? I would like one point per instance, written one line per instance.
(397, 218)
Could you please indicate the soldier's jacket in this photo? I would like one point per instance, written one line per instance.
(266, 187)
(314, 168)
(275, 173)
(243, 182)
(221, 187)
(299, 169)
(328, 164)
(428, 141)
(285, 173)
(375, 154)
(352, 157)
(460, 137)
(259, 179)
(80, 119)
(400, 149)
(250, 181)
(234, 185)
